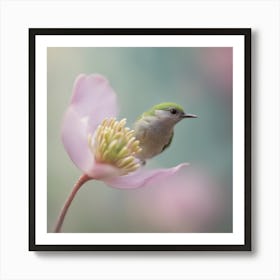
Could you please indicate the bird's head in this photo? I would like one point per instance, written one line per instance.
(169, 112)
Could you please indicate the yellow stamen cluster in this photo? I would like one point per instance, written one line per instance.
(115, 144)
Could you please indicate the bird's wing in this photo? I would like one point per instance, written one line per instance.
(168, 144)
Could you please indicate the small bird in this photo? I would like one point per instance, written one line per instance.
(155, 128)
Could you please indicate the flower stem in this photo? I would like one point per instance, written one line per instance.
(84, 178)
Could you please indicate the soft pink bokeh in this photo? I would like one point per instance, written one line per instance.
(216, 67)
(189, 202)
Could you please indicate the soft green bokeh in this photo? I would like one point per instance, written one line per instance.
(199, 79)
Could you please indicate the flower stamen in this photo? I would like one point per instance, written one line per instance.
(115, 144)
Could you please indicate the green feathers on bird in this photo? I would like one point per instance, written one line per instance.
(161, 106)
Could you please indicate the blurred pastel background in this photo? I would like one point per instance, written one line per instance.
(200, 199)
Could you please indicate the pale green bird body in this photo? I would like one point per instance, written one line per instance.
(155, 128)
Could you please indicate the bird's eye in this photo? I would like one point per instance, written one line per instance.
(173, 111)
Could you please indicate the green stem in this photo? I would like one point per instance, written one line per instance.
(84, 178)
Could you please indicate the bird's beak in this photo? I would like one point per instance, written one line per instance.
(189, 116)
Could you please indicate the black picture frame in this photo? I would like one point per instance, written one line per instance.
(246, 32)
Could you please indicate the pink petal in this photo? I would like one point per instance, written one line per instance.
(100, 171)
(94, 99)
(142, 177)
(74, 138)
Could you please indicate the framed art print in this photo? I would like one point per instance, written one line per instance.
(140, 139)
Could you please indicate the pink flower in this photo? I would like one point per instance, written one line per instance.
(101, 147)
